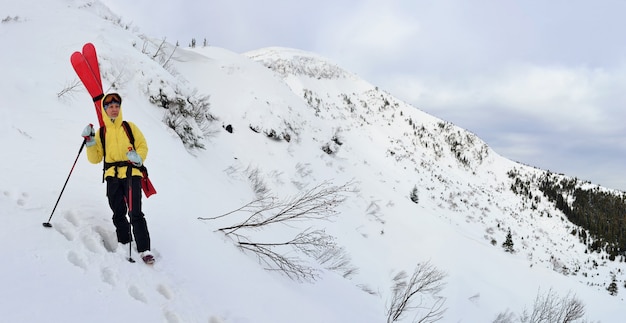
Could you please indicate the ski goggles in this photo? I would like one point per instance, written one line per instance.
(112, 98)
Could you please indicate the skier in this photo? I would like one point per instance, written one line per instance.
(122, 158)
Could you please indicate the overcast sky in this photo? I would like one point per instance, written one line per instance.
(542, 82)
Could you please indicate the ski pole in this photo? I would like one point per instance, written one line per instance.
(129, 177)
(47, 224)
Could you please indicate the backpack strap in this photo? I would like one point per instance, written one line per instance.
(129, 133)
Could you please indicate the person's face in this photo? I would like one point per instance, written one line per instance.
(113, 110)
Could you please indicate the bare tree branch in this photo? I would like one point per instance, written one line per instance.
(419, 294)
(549, 308)
(290, 266)
(69, 88)
(161, 45)
(166, 62)
(318, 203)
(249, 207)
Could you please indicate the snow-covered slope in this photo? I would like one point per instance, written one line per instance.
(298, 121)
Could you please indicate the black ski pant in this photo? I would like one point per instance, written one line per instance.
(117, 192)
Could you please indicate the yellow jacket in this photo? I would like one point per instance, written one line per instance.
(117, 144)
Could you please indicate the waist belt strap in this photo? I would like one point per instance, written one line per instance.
(106, 166)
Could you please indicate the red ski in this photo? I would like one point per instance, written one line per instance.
(89, 52)
(86, 66)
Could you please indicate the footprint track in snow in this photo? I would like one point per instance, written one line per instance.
(20, 199)
(65, 231)
(108, 276)
(91, 243)
(164, 291)
(137, 294)
(77, 260)
(100, 240)
(96, 239)
(171, 317)
(71, 218)
(108, 238)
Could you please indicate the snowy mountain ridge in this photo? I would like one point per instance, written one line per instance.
(426, 146)
(420, 188)
(437, 154)
(293, 62)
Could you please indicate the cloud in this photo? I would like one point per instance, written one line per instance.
(568, 97)
(374, 30)
(566, 119)
(564, 97)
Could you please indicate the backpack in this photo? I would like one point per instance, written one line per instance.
(146, 185)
